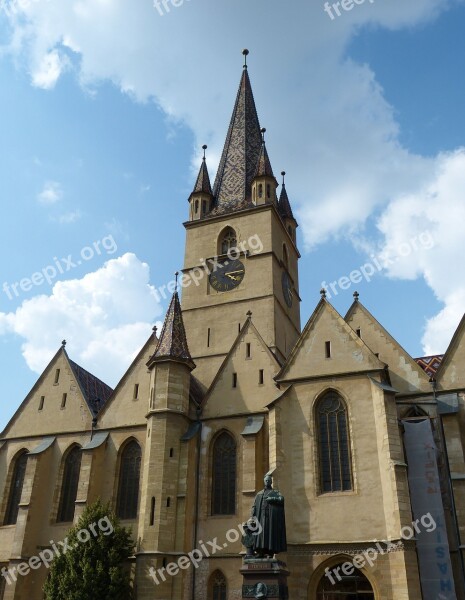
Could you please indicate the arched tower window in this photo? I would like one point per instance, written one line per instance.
(217, 589)
(129, 478)
(228, 240)
(224, 475)
(16, 489)
(333, 442)
(285, 257)
(69, 486)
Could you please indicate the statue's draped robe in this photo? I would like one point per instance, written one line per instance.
(270, 515)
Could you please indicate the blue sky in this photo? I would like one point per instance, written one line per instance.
(105, 106)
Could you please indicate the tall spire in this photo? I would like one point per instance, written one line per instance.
(172, 344)
(202, 185)
(284, 206)
(233, 183)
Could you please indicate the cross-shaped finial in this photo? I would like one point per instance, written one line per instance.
(245, 53)
(323, 292)
(356, 296)
(249, 314)
(63, 343)
(154, 329)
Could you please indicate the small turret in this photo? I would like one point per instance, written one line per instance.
(285, 211)
(201, 199)
(264, 183)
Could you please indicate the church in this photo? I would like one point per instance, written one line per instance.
(364, 442)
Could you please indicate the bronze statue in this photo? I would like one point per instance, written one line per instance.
(268, 511)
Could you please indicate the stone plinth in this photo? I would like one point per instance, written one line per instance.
(272, 574)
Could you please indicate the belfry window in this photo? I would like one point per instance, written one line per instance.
(129, 478)
(16, 489)
(217, 587)
(260, 190)
(70, 485)
(333, 444)
(228, 240)
(224, 475)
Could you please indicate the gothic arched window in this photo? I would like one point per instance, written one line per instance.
(69, 487)
(333, 442)
(228, 240)
(224, 475)
(16, 489)
(129, 476)
(218, 587)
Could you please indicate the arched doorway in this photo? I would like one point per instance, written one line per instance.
(344, 587)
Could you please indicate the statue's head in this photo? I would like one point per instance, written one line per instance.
(268, 480)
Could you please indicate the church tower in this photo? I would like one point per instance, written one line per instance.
(241, 253)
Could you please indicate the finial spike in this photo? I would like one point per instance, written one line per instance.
(204, 147)
(263, 131)
(323, 293)
(176, 275)
(245, 53)
(283, 173)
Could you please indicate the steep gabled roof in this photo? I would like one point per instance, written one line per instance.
(172, 344)
(233, 183)
(455, 343)
(361, 359)
(94, 390)
(406, 367)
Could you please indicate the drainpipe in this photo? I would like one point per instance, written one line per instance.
(197, 495)
(451, 487)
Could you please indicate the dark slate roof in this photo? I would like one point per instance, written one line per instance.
(202, 185)
(196, 392)
(233, 183)
(264, 165)
(284, 206)
(430, 364)
(95, 391)
(172, 343)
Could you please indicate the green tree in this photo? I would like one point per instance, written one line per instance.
(92, 569)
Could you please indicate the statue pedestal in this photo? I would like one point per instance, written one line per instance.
(270, 573)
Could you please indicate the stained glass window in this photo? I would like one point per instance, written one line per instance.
(69, 486)
(224, 475)
(129, 477)
(16, 489)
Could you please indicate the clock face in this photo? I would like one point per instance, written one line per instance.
(227, 276)
(287, 289)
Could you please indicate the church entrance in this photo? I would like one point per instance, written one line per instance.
(353, 587)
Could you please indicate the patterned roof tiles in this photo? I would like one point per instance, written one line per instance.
(233, 183)
(284, 206)
(96, 392)
(173, 341)
(202, 185)
(430, 364)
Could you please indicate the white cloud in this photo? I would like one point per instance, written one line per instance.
(47, 72)
(435, 211)
(105, 317)
(51, 193)
(69, 217)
